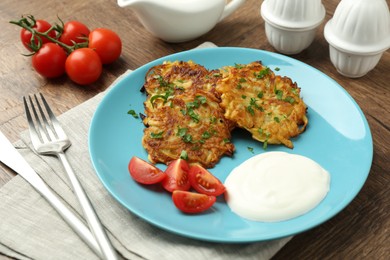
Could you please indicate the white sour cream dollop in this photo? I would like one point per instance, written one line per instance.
(276, 186)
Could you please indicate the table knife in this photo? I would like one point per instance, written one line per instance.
(14, 160)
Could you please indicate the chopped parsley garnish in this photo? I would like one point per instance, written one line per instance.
(199, 100)
(133, 113)
(279, 94)
(158, 135)
(265, 144)
(250, 149)
(276, 119)
(250, 110)
(277, 68)
(193, 115)
(182, 132)
(260, 95)
(262, 73)
(238, 66)
(206, 135)
(267, 135)
(226, 140)
(187, 138)
(253, 105)
(253, 102)
(162, 82)
(164, 97)
(153, 98)
(295, 91)
(184, 155)
(289, 99)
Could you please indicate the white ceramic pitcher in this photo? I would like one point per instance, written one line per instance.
(180, 20)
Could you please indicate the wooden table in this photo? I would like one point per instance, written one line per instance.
(360, 231)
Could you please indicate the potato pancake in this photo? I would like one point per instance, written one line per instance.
(182, 115)
(266, 105)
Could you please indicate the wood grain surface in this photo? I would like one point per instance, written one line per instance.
(360, 231)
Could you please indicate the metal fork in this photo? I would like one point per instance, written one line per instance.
(48, 138)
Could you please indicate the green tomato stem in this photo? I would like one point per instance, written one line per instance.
(28, 23)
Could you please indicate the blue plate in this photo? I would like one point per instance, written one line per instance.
(337, 137)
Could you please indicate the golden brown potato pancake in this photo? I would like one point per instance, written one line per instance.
(268, 106)
(183, 116)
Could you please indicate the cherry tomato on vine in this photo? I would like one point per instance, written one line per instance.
(144, 172)
(49, 61)
(40, 26)
(204, 182)
(74, 31)
(106, 43)
(191, 202)
(83, 66)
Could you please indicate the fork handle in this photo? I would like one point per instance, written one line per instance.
(89, 213)
(73, 221)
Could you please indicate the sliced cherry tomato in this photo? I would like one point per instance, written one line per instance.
(49, 61)
(106, 43)
(204, 182)
(144, 172)
(177, 176)
(191, 202)
(74, 32)
(83, 66)
(40, 26)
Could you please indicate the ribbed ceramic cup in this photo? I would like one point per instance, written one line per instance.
(290, 25)
(358, 34)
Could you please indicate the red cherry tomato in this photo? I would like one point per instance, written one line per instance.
(40, 26)
(190, 202)
(143, 172)
(49, 61)
(106, 43)
(204, 182)
(177, 176)
(83, 66)
(74, 32)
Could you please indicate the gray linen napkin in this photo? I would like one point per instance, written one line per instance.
(31, 229)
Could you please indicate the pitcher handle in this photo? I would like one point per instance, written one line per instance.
(230, 8)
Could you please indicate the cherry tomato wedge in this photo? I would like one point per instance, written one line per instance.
(191, 202)
(177, 176)
(40, 26)
(144, 172)
(204, 182)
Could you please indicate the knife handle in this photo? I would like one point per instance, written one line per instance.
(74, 222)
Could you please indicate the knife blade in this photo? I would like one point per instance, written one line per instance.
(14, 160)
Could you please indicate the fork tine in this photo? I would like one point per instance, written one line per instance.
(55, 123)
(41, 134)
(49, 128)
(33, 131)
